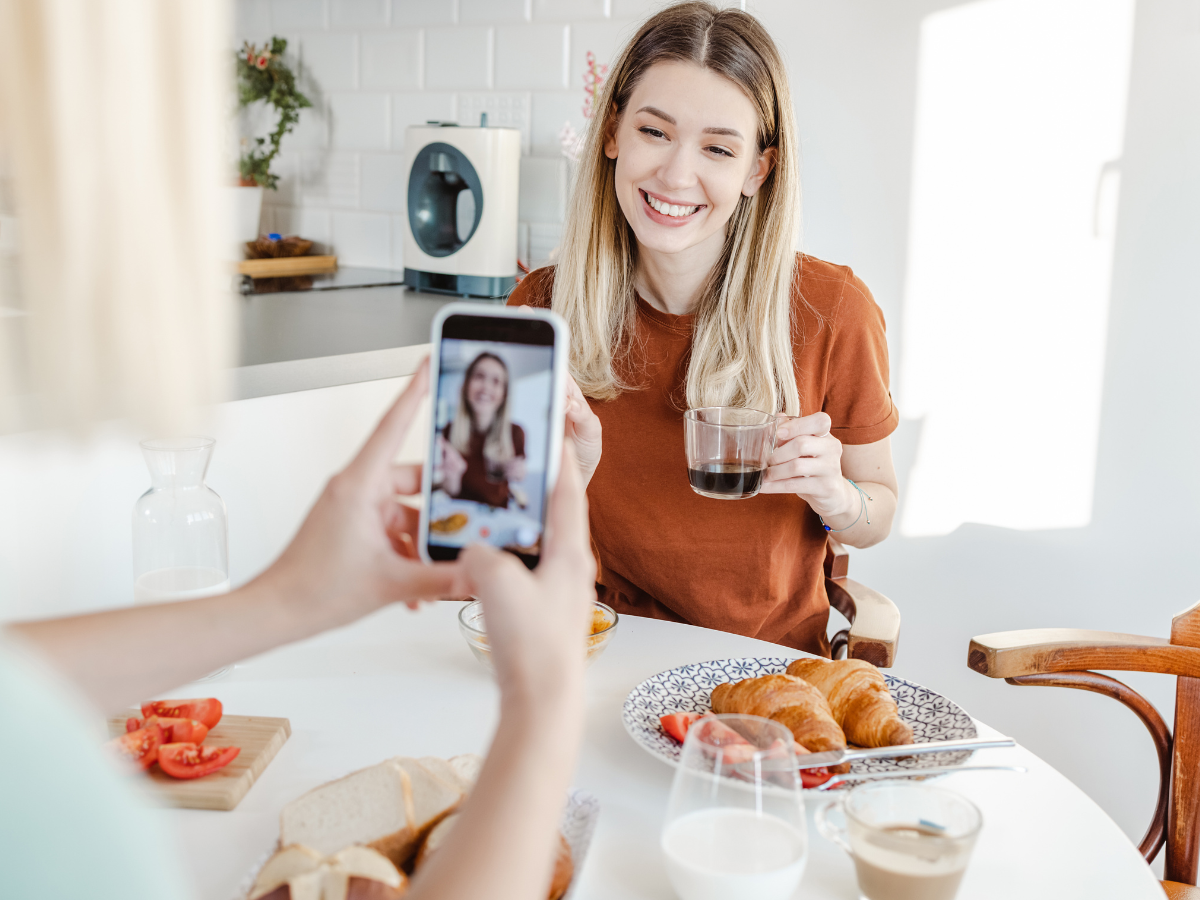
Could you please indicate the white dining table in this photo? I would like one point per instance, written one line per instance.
(404, 683)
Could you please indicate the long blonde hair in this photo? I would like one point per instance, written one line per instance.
(742, 344)
(498, 443)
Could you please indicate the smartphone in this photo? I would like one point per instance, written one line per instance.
(498, 393)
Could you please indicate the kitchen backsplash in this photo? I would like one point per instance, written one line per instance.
(374, 67)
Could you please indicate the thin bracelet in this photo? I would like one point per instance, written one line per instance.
(863, 497)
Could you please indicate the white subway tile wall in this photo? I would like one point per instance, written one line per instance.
(359, 12)
(493, 10)
(374, 67)
(359, 121)
(458, 58)
(363, 238)
(532, 57)
(424, 12)
(391, 60)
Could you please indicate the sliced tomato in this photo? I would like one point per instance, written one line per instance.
(139, 747)
(188, 760)
(810, 778)
(207, 710)
(174, 730)
(718, 734)
(677, 724)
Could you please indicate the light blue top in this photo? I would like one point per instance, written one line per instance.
(71, 826)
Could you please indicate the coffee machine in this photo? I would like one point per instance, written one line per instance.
(462, 209)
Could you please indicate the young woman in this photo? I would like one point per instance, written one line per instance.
(482, 451)
(680, 281)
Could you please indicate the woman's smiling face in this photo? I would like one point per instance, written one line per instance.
(686, 151)
(486, 390)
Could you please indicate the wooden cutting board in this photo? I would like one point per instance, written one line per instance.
(287, 266)
(259, 737)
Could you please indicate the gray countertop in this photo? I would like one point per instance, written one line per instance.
(302, 340)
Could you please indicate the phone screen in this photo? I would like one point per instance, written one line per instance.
(491, 435)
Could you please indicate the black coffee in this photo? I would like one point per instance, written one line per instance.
(727, 479)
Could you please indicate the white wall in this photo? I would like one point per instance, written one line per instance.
(854, 67)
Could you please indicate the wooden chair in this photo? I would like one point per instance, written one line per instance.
(1061, 657)
(874, 630)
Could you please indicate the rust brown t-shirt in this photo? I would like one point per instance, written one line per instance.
(751, 567)
(475, 482)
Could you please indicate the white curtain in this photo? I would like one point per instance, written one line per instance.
(111, 119)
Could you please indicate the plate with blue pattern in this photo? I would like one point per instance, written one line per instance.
(687, 689)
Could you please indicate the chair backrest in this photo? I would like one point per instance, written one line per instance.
(874, 632)
(1183, 827)
(1062, 657)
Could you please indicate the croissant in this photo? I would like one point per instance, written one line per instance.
(793, 703)
(859, 699)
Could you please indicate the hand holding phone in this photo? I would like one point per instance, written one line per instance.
(499, 395)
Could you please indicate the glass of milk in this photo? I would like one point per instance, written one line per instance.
(735, 827)
(908, 841)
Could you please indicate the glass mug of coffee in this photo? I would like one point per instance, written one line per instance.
(908, 841)
(728, 450)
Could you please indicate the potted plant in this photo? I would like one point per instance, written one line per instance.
(262, 74)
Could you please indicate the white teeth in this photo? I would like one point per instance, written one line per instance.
(668, 209)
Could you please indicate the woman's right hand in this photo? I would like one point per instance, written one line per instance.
(452, 466)
(538, 621)
(583, 427)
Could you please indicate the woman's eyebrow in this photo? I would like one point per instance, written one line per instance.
(655, 111)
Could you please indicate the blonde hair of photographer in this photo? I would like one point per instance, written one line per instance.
(742, 350)
(498, 444)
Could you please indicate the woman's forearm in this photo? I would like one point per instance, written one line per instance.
(867, 519)
(508, 827)
(127, 655)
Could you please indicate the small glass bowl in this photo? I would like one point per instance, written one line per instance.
(470, 623)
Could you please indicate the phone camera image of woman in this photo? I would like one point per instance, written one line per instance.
(491, 433)
(485, 450)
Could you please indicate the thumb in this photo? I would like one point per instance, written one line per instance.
(486, 567)
(817, 424)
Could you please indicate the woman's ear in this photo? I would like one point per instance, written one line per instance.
(610, 133)
(759, 172)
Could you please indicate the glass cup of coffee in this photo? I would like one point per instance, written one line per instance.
(728, 450)
(908, 841)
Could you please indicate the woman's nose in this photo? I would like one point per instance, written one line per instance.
(677, 171)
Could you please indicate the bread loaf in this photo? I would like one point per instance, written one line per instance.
(355, 873)
(388, 807)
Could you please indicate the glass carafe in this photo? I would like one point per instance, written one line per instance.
(180, 529)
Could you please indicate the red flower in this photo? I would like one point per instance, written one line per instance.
(262, 62)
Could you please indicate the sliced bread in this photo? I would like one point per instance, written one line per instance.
(446, 772)
(373, 806)
(434, 839)
(432, 798)
(467, 767)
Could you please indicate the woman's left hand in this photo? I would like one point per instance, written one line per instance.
(808, 462)
(583, 427)
(514, 470)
